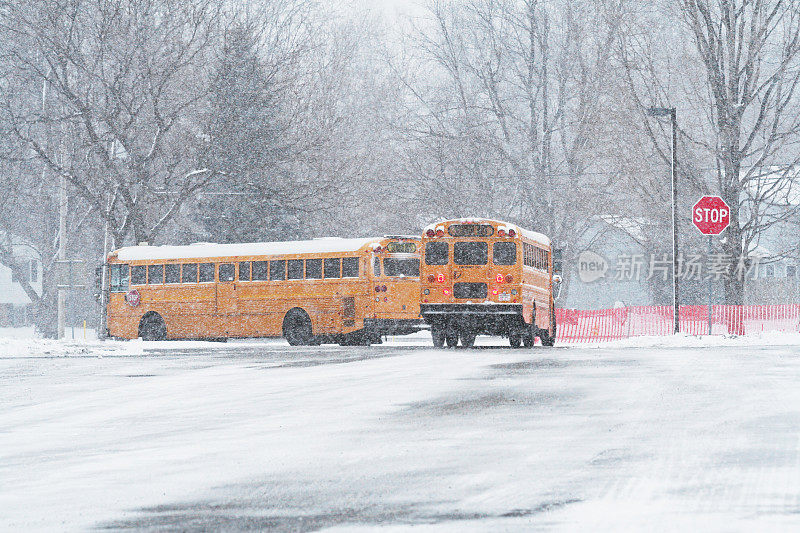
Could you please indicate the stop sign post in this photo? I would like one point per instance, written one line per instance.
(711, 215)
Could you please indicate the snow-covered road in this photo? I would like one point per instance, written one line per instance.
(260, 435)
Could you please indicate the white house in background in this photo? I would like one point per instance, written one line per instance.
(777, 280)
(15, 305)
(611, 237)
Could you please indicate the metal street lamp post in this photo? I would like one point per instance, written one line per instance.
(663, 112)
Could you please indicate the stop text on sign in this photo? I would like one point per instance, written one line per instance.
(711, 215)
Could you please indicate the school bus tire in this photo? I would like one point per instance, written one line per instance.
(468, 339)
(152, 327)
(547, 339)
(451, 337)
(529, 337)
(297, 328)
(515, 339)
(544, 334)
(437, 334)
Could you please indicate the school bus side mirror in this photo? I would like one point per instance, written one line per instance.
(557, 260)
(557, 282)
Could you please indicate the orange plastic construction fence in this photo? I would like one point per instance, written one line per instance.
(621, 323)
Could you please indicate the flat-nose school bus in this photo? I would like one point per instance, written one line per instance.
(487, 277)
(349, 291)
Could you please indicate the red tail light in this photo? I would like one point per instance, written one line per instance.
(509, 278)
(512, 233)
(446, 292)
(431, 278)
(440, 233)
(440, 278)
(378, 288)
(499, 278)
(383, 288)
(430, 233)
(501, 233)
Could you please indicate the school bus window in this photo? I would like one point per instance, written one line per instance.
(313, 268)
(138, 275)
(504, 253)
(206, 272)
(118, 278)
(260, 270)
(376, 266)
(400, 267)
(244, 271)
(436, 253)
(277, 270)
(471, 253)
(294, 269)
(350, 267)
(172, 274)
(333, 268)
(227, 272)
(189, 273)
(155, 274)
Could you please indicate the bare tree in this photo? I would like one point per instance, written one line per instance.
(104, 94)
(739, 83)
(512, 112)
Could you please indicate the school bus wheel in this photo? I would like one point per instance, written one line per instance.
(468, 339)
(152, 327)
(297, 328)
(544, 334)
(529, 337)
(437, 334)
(451, 336)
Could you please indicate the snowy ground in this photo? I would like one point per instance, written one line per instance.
(647, 434)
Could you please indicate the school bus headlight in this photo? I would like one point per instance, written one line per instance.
(426, 292)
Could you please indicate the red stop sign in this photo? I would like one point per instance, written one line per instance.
(711, 215)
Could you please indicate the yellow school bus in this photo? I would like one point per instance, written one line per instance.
(480, 276)
(346, 291)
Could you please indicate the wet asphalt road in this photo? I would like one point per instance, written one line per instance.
(258, 436)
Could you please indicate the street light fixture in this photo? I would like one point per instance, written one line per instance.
(663, 112)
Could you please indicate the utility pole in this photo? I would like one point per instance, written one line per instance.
(101, 333)
(671, 112)
(62, 251)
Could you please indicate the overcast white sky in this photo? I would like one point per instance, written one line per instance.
(391, 8)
